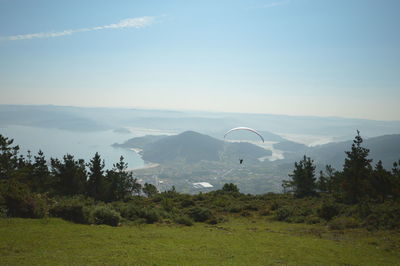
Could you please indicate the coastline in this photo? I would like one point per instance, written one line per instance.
(146, 166)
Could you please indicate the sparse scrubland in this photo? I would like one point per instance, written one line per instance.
(343, 217)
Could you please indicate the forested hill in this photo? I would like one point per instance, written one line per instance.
(385, 148)
(192, 147)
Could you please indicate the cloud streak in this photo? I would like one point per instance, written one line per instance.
(275, 4)
(140, 22)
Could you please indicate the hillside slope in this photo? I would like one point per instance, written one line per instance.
(385, 148)
(192, 147)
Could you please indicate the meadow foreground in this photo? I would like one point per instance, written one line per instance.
(239, 241)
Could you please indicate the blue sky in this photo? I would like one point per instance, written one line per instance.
(296, 57)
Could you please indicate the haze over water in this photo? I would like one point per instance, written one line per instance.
(83, 145)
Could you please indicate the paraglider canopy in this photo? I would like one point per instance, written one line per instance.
(245, 128)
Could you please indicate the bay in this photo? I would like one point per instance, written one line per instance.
(83, 145)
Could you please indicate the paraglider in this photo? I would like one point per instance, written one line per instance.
(244, 128)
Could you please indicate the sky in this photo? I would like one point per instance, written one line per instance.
(295, 57)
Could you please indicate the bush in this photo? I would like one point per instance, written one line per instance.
(71, 209)
(187, 203)
(130, 212)
(185, 220)
(384, 216)
(245, 214)
(18, 200)
(283, 214)
(313, 220)
(167, 204)
(150, 215)
(105, 215)
(235, 208)
(3, 212)
(199, 214)
(341, 223)
(328, 210)
(274, 206)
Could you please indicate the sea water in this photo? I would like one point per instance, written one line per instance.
(82, 145)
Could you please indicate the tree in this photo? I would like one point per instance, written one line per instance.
(96, 182)
(395, 179)
(230, 188)
(8, 157)
(150, 190)
(70, 174)
(303, 178)
(380, 182)
(41, 178)
(121, 183)
(328, 180)
(356, 171)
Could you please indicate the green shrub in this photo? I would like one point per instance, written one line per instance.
(245, 214)
(296, 219)
(251, 207)
(150, 215)
(328, 210)
(185, 220)
(187, 203)
(384, 216)
(71, 209)
(105, 215)
(341, 223)
(313, 219)
(265, 212)
(235, 208)
(283, 214)
(3, 212)
(167, 204)
(200, 214)
(130, 212)
(18, 200)
(274, 206)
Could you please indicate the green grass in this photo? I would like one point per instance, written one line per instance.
(241, 241)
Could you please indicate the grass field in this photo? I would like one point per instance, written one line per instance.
(241, 241)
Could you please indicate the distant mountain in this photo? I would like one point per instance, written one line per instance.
(48, 116)
(288, 145)
(385, 148)
(210, 123)
(192, 147)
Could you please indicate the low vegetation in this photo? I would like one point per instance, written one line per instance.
(358, 200)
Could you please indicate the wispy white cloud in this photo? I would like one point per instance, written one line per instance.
(275, 4)
(139, 22)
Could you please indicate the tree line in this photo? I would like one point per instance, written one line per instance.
(68, 176)
(358, 181)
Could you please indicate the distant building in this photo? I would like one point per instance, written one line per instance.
(202, 185)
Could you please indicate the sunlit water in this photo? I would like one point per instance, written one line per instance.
(83, 145)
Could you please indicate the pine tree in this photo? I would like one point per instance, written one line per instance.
(356, 171)
(96, 183)
(121, 183)
(303, 178)
(395, 179)
(70, 174)
(380, 182)
(8, 157)
(41, 179)
(150, 190)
